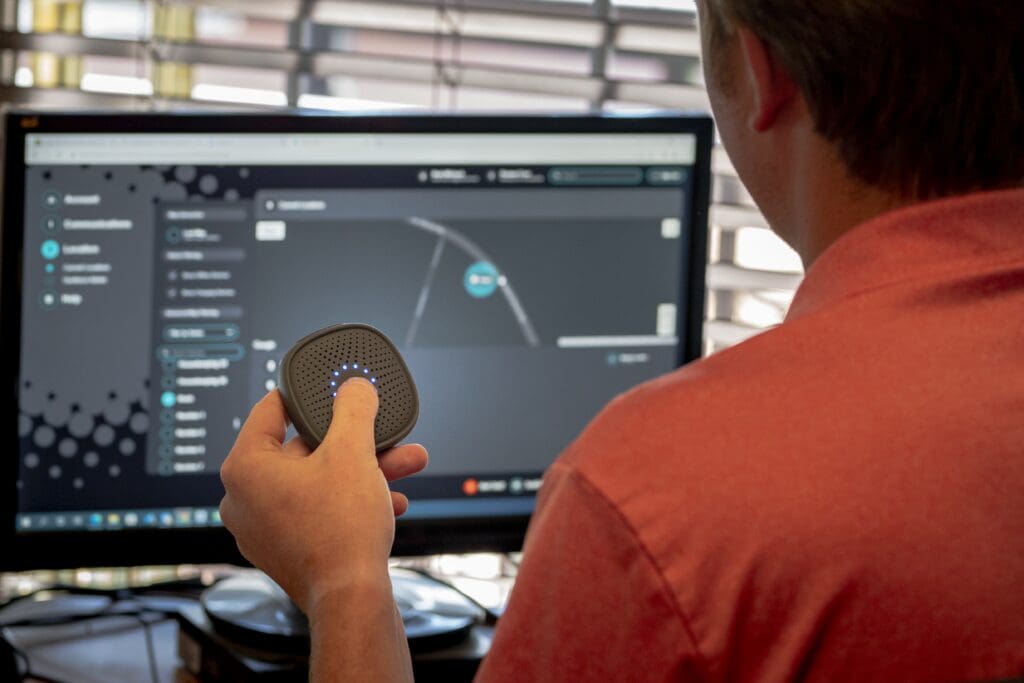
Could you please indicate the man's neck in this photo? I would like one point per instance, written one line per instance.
(829, 202)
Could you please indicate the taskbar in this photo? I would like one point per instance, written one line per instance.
(440, 496)
(117, 520)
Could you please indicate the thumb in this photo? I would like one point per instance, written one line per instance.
(355, 410)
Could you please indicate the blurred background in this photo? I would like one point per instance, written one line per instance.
(431, 55)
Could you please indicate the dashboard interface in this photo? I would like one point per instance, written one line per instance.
(527, 279)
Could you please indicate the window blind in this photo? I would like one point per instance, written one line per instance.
(447, 55)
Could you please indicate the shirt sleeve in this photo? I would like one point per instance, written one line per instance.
(589, 604)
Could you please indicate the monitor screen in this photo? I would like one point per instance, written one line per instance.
(528, 269)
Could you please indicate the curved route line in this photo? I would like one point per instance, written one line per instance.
(468, 246)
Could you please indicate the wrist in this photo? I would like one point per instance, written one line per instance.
(356, 631)
(355, 592)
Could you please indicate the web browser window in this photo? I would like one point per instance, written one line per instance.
(526, 278)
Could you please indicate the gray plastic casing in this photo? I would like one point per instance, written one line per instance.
(335, 354)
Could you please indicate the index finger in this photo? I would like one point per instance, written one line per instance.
(268, 420)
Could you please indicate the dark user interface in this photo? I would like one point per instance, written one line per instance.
(159, 301)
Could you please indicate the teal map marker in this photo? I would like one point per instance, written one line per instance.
(481, 280)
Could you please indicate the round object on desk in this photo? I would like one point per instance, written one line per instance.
(253, 611)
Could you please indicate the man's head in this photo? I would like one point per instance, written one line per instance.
(915, 99)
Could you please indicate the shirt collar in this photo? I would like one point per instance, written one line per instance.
(914, 242)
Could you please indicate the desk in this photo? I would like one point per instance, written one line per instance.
(114, 648)
(105, 650)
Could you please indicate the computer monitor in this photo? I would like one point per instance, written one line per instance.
(156, 268)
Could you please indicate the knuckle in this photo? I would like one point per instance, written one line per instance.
(226, 514)
(229, 472)
(232, 472)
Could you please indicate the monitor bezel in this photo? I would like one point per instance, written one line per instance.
(214, 545)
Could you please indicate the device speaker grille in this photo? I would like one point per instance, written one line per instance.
(318, 364)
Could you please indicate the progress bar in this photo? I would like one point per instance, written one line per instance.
(614, 342)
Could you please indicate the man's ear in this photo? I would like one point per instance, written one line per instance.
(773, 88)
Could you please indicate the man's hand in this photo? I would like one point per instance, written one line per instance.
(317, 523)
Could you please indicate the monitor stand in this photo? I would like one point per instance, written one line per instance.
(252, 610)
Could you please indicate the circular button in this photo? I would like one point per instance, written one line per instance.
(50, 249)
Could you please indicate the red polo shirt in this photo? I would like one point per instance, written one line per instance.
(838, 499)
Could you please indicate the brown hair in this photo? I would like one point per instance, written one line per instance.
(921, 97)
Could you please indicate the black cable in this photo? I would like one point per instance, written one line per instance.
(172, 587)
(21, 664)
(18, 654)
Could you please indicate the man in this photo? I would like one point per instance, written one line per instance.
(837, 499)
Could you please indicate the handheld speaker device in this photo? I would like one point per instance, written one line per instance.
(319, 363)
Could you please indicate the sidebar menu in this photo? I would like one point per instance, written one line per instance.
(200, 252)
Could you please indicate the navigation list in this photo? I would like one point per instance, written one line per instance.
(72, 248)
(197, 335)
